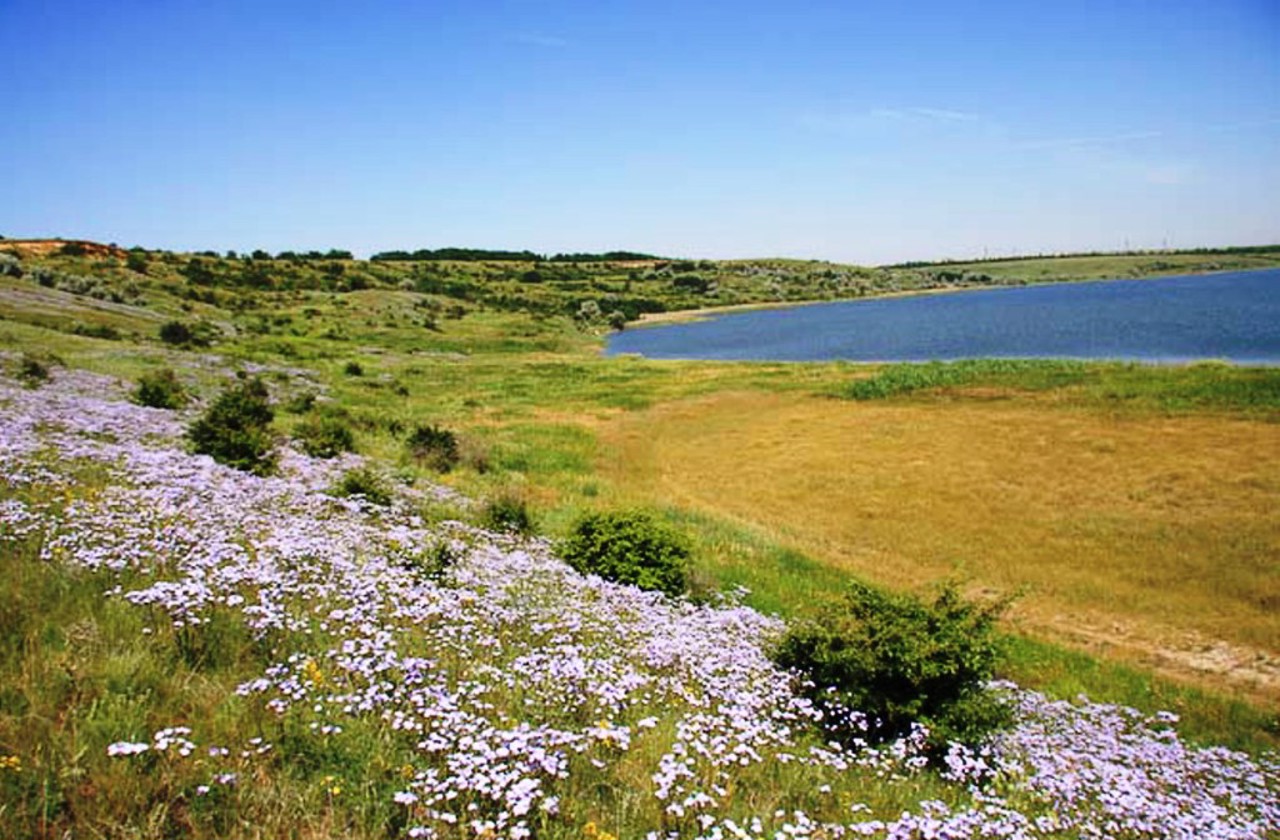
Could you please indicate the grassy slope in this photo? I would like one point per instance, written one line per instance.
(530, 396)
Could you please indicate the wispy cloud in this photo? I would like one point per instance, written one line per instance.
(845, 121)
(934, 114)
(1080, 142)
(538, 39)
(1138, 136)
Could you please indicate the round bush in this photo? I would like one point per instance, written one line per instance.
(324, 437)
(160, 389)
(901, 661)
(234, 429)
(434, 446)
(629, 547)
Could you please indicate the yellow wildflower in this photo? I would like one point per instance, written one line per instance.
(11, 762)
(313, 673)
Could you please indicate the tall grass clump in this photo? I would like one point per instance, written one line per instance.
(630, 547)
(901, 662)
(235, 429)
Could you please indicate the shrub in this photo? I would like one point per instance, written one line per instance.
(629, 547)
(175, 333)
(160, 389)
(324, 436)
(434, 446)
(365, 483)
(234, 430)
(303, 402)
(353, 369)
(901, 661)
(434, 563)
(33, 371)
(136, 262)
(10, 266)
(179, 334)
(507, 512)
(105, 331)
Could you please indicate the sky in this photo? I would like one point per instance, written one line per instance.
(861, 132)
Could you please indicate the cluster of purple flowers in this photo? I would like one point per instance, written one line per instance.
(507, 672)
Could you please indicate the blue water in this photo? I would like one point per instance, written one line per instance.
(1233, 316)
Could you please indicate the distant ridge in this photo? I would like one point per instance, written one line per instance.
(1154, 252)
(69, 247)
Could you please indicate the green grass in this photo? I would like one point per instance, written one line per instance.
(1205, 386)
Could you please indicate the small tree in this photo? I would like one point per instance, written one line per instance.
(234, 430)
(629, 547)
(901, 661)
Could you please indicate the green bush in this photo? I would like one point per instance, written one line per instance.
(365, 483)
(901, 661)
(160, 389)
(180, 334)
(434, 446)
(235, 429)
(33, 370)
(507, 512)
(629, 547)
(136, 262)
(301, 403)
(105, 331)
(175, 332)
(324, 436)
(353, 369)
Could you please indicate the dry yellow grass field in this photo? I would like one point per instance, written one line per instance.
(1150, 539)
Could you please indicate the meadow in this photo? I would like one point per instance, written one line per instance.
(192, 650)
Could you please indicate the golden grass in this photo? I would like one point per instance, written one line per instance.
(1148, 538)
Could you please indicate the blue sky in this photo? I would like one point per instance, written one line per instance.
(858, 132)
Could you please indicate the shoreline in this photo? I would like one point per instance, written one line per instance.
(688, 316)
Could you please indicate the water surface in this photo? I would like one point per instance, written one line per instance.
(1231, 315)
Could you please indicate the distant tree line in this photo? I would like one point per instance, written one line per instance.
(289, 256)
(458, 254)
(487, 255)
(607, 256)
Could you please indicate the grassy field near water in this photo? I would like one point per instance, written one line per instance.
(1132, 506)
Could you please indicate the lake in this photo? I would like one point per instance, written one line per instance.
(1232, 315)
